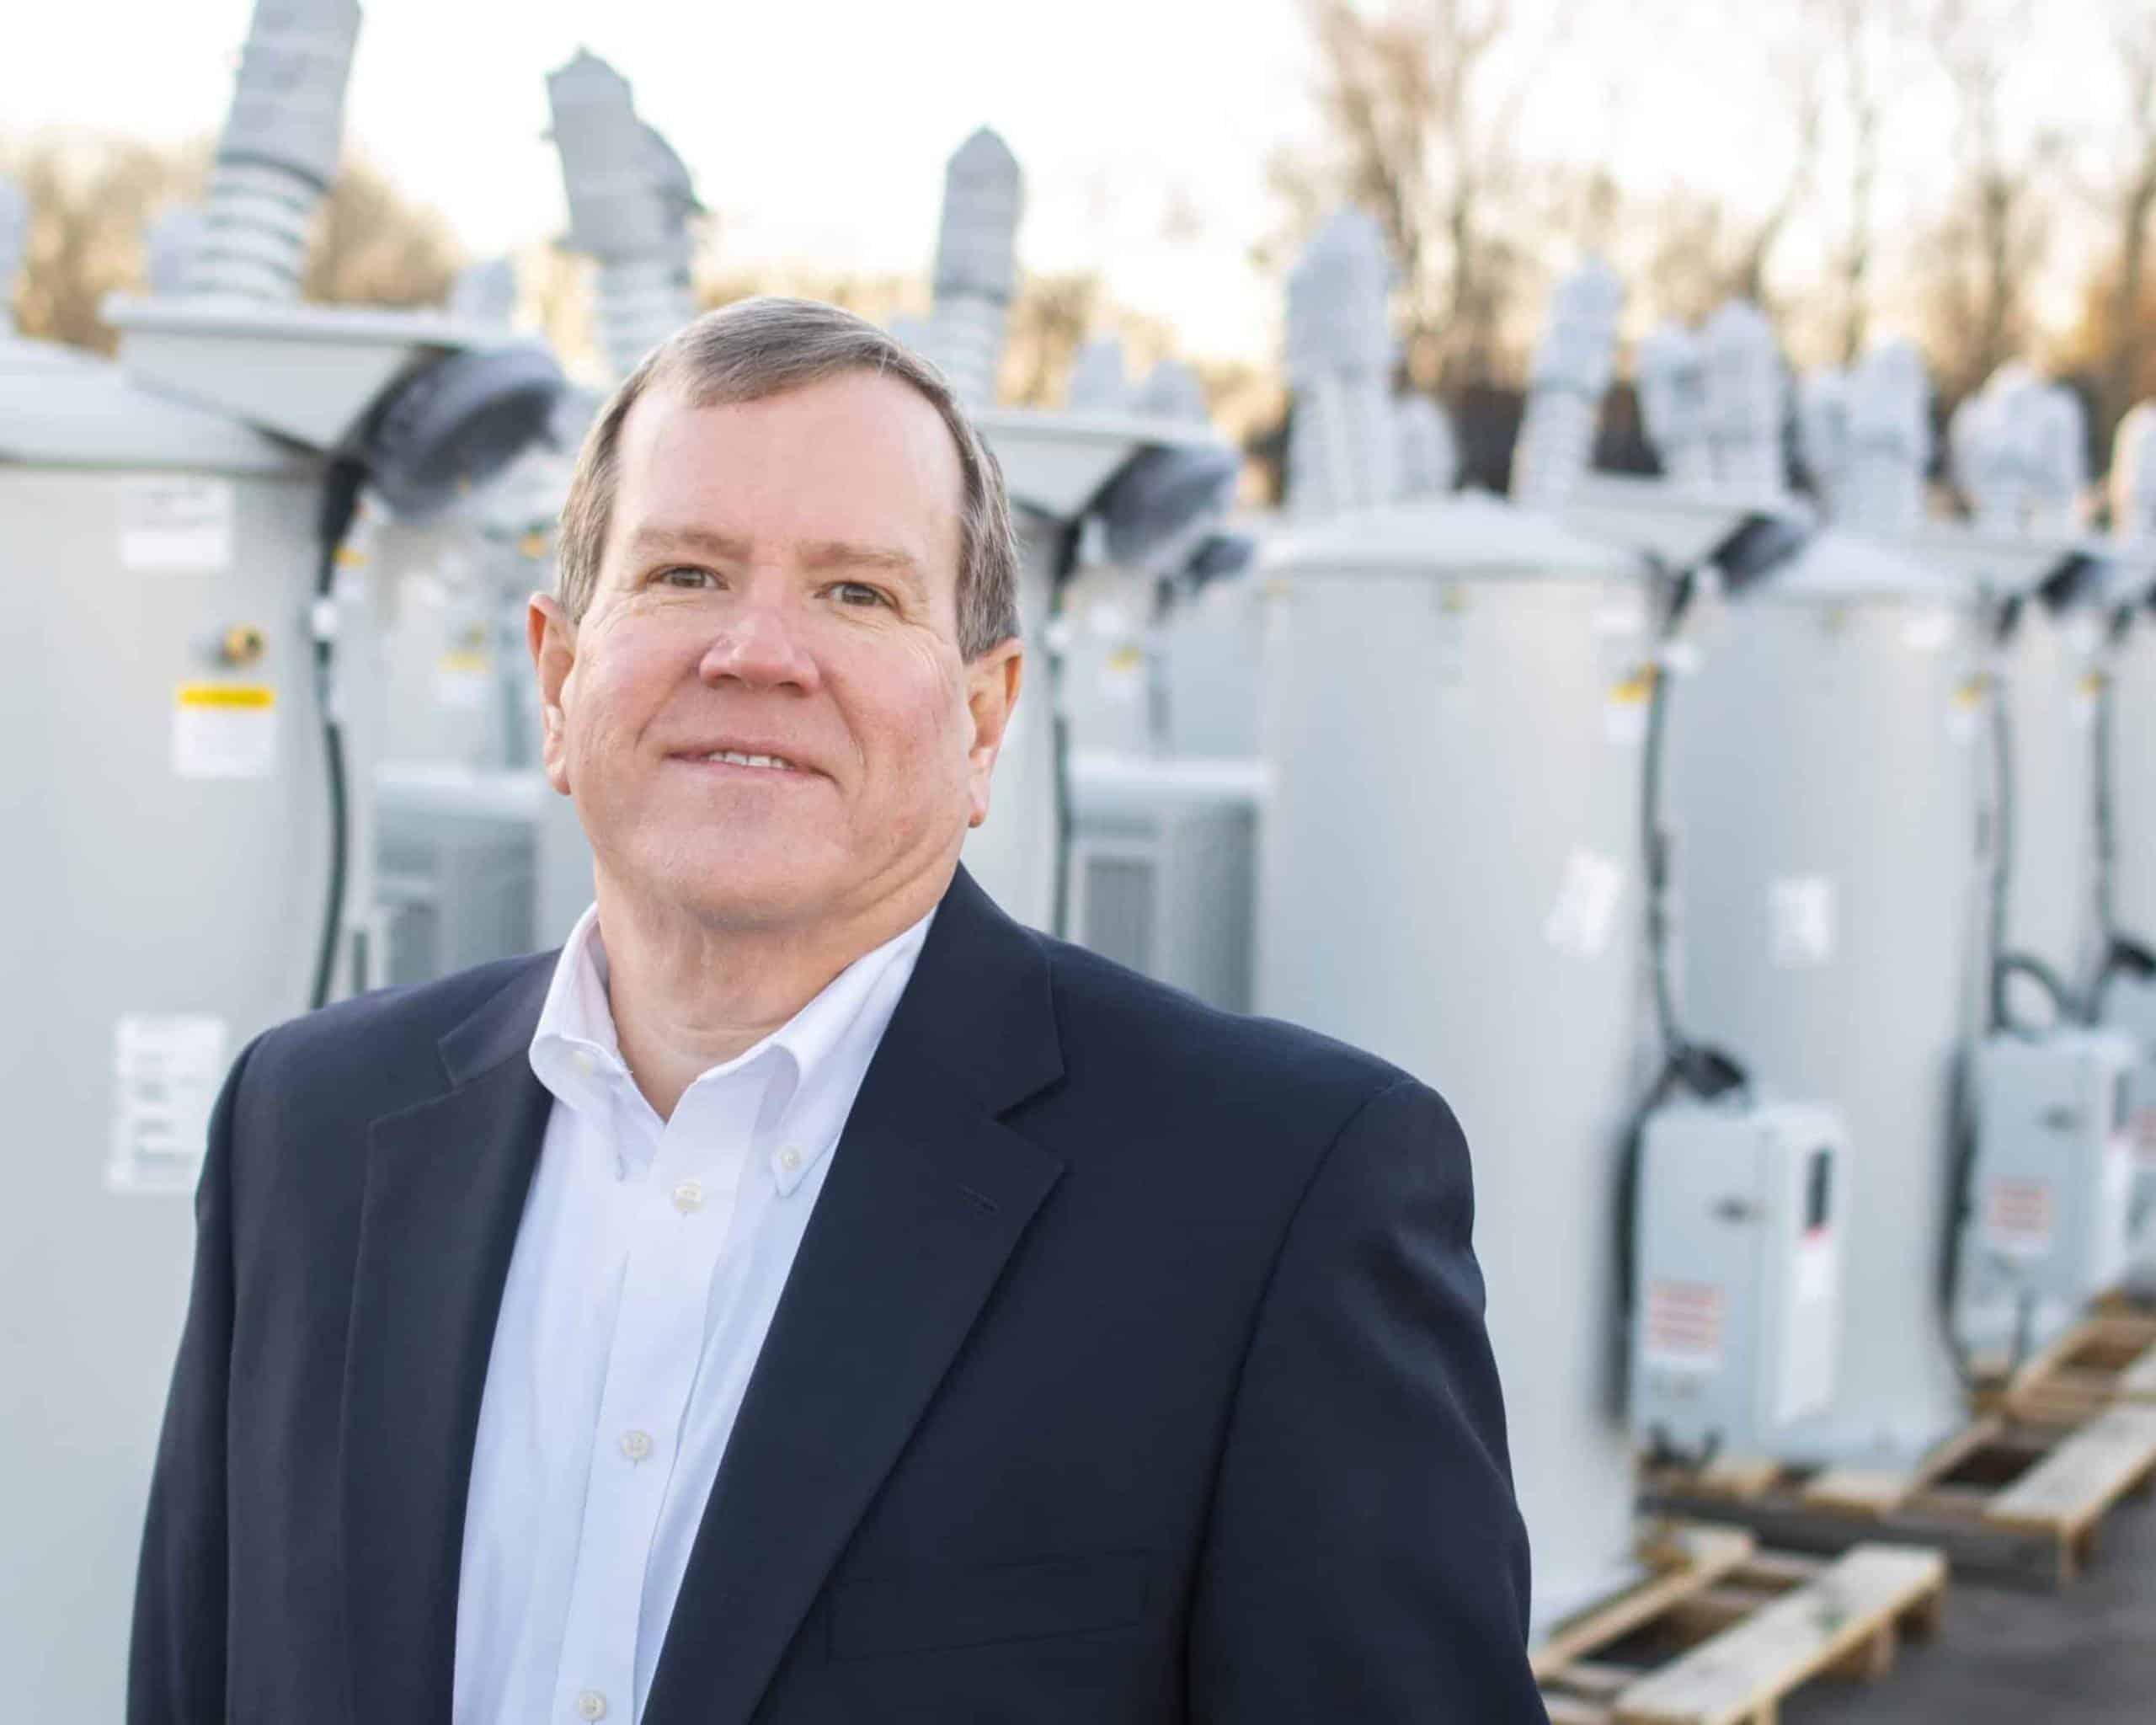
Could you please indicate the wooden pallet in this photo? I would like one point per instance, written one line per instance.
(2107, 1359)
(2007, 1496)
(1722, 1631)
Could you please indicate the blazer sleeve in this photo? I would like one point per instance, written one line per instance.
(176, 1664)
(1365, 1559)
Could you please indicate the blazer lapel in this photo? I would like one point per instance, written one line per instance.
(926, 1197)
(445, 1187)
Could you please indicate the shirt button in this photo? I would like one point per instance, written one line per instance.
(590, 1705)
(689, 1196)
(636, 1445)
(789, 1159)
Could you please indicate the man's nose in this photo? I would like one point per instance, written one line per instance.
(760, 645)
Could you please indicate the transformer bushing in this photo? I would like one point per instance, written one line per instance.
(1571, 372)
(1746, 396)
(278, 153)
(2133, 475)
(2020, 453)
(1670, 370)
(1426, 452)
(1340, 356)
(1098, 384)
(1890, 439)
(1823, 437)
(630, 205)
(976, 273)
(1865, 437)
(1172, 391)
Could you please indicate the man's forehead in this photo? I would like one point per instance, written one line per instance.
(857, 467)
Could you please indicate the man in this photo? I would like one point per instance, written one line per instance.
(811, 1296)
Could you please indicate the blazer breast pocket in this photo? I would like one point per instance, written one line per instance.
(961, 1607)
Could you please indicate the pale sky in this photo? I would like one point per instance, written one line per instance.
(818, 131)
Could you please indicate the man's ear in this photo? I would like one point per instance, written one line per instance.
(992, 683)
(552, 638)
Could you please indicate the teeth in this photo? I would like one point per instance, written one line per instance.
(734, 757)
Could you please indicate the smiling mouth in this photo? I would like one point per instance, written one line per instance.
(777, 765)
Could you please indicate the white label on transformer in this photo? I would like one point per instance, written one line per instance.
(176, 524)
(1579, 923)
(222, 730)
(166, 1070)
(1627, 616)
(1683, 1326)
(2018, 1217)
(1929, 630)
(1801, 919)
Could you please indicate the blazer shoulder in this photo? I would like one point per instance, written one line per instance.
(1151, 1033)
(384, 1040)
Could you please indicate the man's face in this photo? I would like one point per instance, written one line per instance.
(778, 586)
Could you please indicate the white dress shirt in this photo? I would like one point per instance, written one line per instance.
(649, 1262)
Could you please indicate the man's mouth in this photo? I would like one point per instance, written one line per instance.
(769, 763)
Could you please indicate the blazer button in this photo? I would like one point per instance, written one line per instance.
(590, 1705)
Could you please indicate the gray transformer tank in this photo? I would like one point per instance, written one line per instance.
(1447, 878)
(1824, 781)
(173, 831)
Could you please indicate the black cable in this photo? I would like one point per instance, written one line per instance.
(340, 499)
(1705, 1071)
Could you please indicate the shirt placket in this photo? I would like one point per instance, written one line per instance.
(678, 1214)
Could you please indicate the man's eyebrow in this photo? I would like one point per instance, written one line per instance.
(840, 553)
(653, 538)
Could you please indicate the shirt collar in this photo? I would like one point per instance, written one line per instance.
(827, 1045)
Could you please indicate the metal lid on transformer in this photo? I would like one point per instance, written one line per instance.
(1466, 536)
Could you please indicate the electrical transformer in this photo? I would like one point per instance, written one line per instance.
(1452, 722)
(1827, 764)
(2050, 1191)
(1736, 1303)
(168, 873)
(1163, 868)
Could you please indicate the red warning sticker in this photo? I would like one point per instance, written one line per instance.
(2018, 1218)
(1683, 1326)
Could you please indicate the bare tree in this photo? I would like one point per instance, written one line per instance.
(91, 199)
(1421, 129)
(2133, 33)
(372, 245)
(1993, 242)
(1850, 24)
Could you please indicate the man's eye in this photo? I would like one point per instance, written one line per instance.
(857, 593)
(684, 577)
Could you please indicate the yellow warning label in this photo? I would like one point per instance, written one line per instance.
(1635, 688)
(250, 695)
(463, 663)
(1971, 692)
(1126, 660)
(2092, 682)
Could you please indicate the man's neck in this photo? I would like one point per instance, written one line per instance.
(687, 995)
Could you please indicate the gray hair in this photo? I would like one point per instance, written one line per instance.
(762, 347)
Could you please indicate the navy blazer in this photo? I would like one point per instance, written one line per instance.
(1132, 1369)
